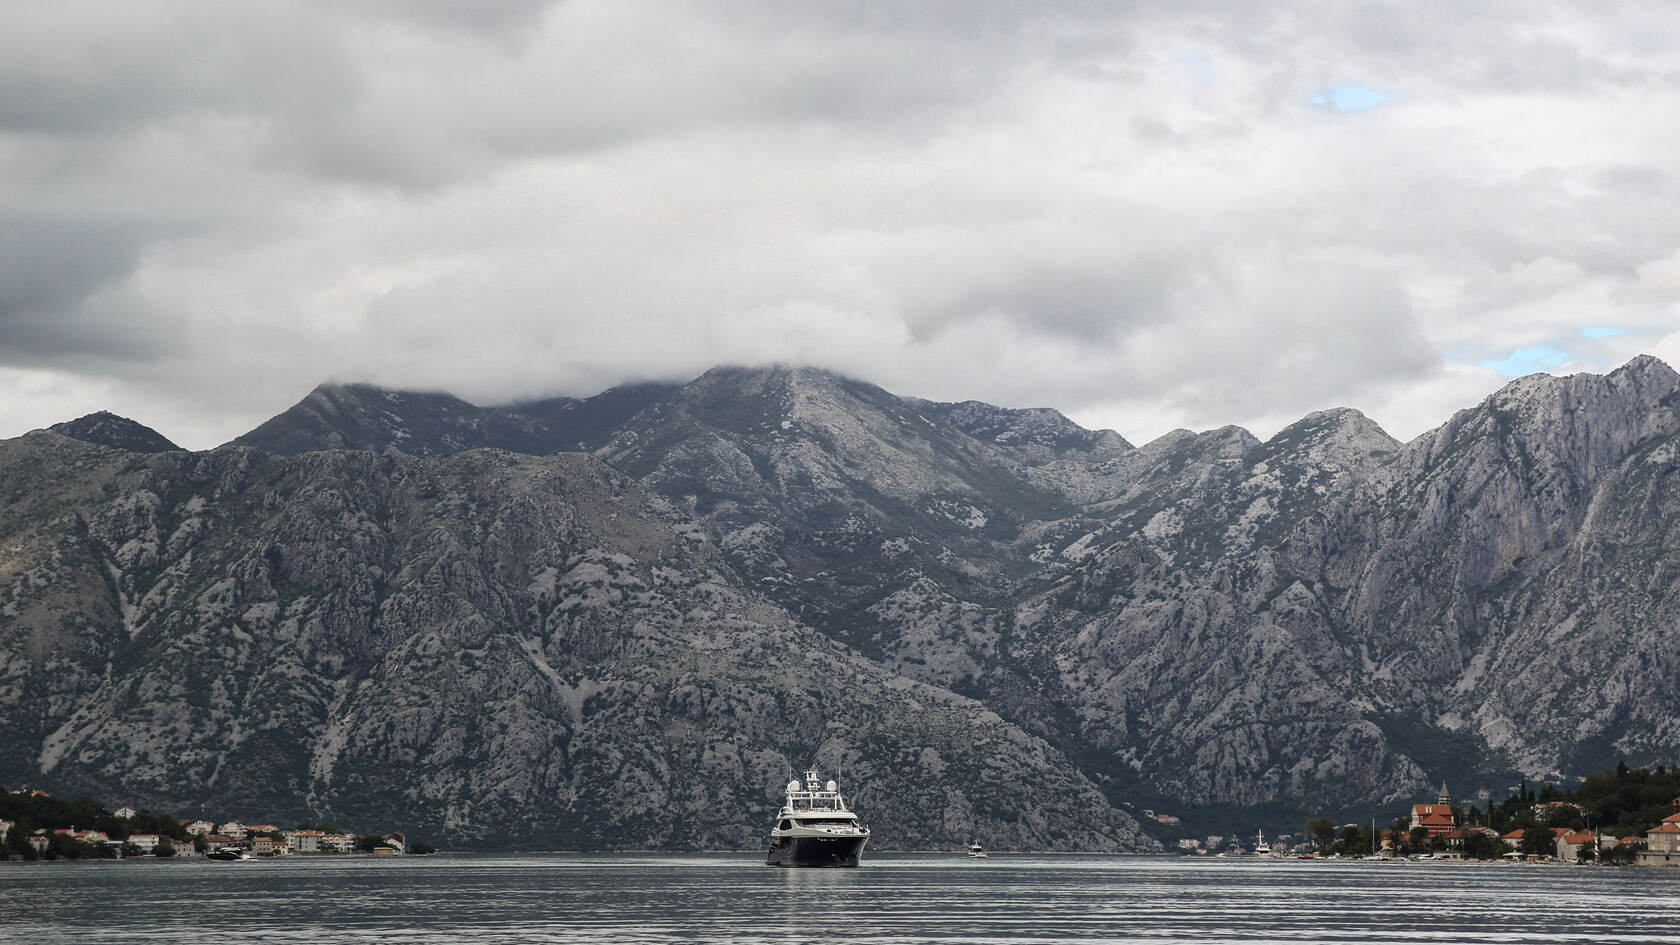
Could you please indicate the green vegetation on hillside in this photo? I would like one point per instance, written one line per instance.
(1621, 801)
(32, 811)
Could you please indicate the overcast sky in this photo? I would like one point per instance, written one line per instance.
(1149, 216)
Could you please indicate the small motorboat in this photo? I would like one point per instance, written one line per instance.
(225, 854)
(977, 851)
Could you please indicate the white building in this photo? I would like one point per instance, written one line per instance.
(147, 842)
(304, 841)
(1662, 845)
(232, 828)
(124, 813)
(200, 828)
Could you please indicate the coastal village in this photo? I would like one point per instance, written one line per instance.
(127, 832)
(1439, 831)
(1552, 828)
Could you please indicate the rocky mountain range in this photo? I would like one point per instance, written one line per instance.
(621, 621)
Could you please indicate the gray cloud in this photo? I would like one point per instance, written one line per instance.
(1129, 211)
(51, 263)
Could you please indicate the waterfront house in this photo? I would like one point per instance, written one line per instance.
(199, 828)
(232, 828)
(338, 842)
(1662, 845)
(1571, 842)
(304, 841)
(147, 842)
(39, 841)
(264, 846)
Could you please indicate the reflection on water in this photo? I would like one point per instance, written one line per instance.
(921, 898)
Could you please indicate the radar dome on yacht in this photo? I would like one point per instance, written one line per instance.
(793, 787)
(832, 786)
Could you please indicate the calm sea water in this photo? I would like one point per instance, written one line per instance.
(918, 898)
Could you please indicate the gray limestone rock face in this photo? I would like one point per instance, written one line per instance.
(492, 649)
(1326, 618)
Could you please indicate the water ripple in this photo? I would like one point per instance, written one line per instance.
(923, 899)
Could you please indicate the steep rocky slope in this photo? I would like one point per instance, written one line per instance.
(1327, 617)
(498, 649)
(1507, 569)
(832, 495)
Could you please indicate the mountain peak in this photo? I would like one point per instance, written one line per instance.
(1578, 426)
(1339, 440)
(382, 420)
(108, 429)
(1648, 366)
(1031, 429)
(366, 417)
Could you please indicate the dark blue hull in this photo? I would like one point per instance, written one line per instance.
(815, 851)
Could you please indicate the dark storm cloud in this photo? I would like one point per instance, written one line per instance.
(50, 264)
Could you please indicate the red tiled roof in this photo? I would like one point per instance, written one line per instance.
(1667, 828)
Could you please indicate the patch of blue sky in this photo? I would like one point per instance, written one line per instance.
(1601, 333)
(1349, 97)
(1531, 360)
(1200, 66)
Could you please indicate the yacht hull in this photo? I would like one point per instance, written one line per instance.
(815, 851)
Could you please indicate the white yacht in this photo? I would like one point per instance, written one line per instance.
(815, 828)
(1261, 847)
(977, 851)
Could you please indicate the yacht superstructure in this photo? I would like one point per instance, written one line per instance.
(815, 827)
